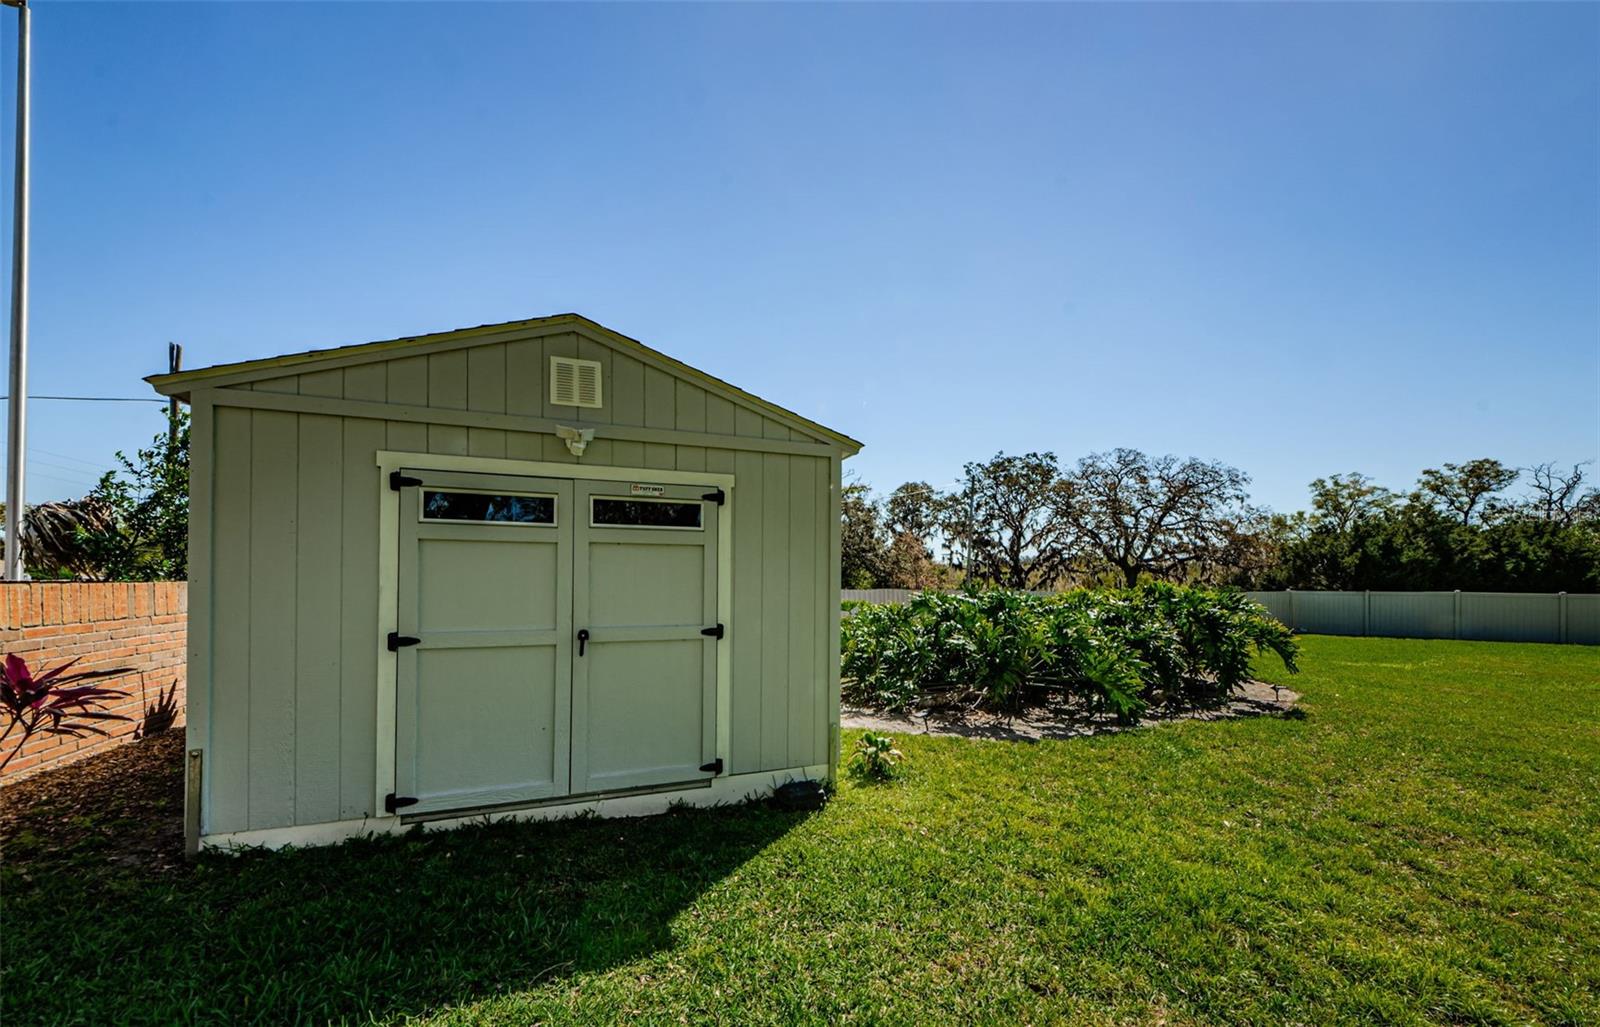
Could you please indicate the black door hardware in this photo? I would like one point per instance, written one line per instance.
(583, 639)
(396, 640)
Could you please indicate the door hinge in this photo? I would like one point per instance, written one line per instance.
(392, 802)
(718, 497)
(714, 767)
(398, 481)
(716, 632)
(397, 640)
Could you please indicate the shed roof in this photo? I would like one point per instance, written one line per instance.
(239, 372)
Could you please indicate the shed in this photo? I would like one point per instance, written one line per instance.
(522, 569)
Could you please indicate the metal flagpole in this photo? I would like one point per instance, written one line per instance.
(17, 409)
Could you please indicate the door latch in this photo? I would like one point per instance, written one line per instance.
(583, 639)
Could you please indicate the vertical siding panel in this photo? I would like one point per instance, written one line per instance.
(525, 378)
(600, 451)
(359, 618)
(627, 454)
(323, 383)
(486, 392)
(691, 416)
(407, 383)
(274, 453)
(746, 630)
(447, 390)
(660, 411)
(803, 562)
(691, 458)
(627, 391)
(198, 648)
(719, 416)
(825, 601)
(774, 611)
(227, 766)
(288, 383)
(521, 445)
(319, 523)
(835, 494)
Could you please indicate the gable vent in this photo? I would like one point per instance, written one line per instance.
(574, 383)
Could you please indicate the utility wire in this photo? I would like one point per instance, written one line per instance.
(97, 399)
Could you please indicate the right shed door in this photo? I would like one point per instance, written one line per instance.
(644, 591)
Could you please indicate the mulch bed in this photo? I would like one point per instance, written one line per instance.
(124, 806)
(1057, 719)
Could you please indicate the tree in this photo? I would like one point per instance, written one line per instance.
(863, 545)
(1008, 516)
(912, 509)
(908, 564)
(147, 538)
(1561, 498)
(53, 542)
(1466, 489)
(1162, 516)
(1340, 501)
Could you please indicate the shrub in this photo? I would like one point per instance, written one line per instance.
(875, 756)
(45, 703)
(1114, 649)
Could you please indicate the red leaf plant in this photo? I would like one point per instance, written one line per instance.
(53, 702)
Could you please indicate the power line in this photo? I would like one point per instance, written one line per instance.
(96, 464)
(96, 399)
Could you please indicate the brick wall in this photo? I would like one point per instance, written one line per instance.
(140, 625)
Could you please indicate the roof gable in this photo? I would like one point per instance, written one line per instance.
(588, 336)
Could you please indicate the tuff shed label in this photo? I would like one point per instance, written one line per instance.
(648, 490)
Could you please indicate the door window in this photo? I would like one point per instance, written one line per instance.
(490, 507)
(644, 513)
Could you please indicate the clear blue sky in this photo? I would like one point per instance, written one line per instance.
(1297, 239)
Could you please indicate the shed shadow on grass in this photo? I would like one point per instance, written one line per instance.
(367, 930)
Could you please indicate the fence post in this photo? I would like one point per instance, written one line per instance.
(1561, 607)
(1294, 622)
(1455, 628)
(1366, 612)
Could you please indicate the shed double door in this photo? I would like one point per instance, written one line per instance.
(555, 637)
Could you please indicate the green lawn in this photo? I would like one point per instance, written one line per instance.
(1422, 847)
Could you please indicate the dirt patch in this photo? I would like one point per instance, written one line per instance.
(1058, 719)
(124, 806)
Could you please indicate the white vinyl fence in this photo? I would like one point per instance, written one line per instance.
(1483, 616)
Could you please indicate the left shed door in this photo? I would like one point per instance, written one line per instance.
(483, 695)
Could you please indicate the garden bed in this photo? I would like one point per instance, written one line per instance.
(122, 807)
(1061, 718)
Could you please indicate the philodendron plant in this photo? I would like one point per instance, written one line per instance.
(53, 702)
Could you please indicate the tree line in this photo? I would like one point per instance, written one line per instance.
(1029, 521)
(1121, 517)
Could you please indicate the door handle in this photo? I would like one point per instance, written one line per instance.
(583, 638)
